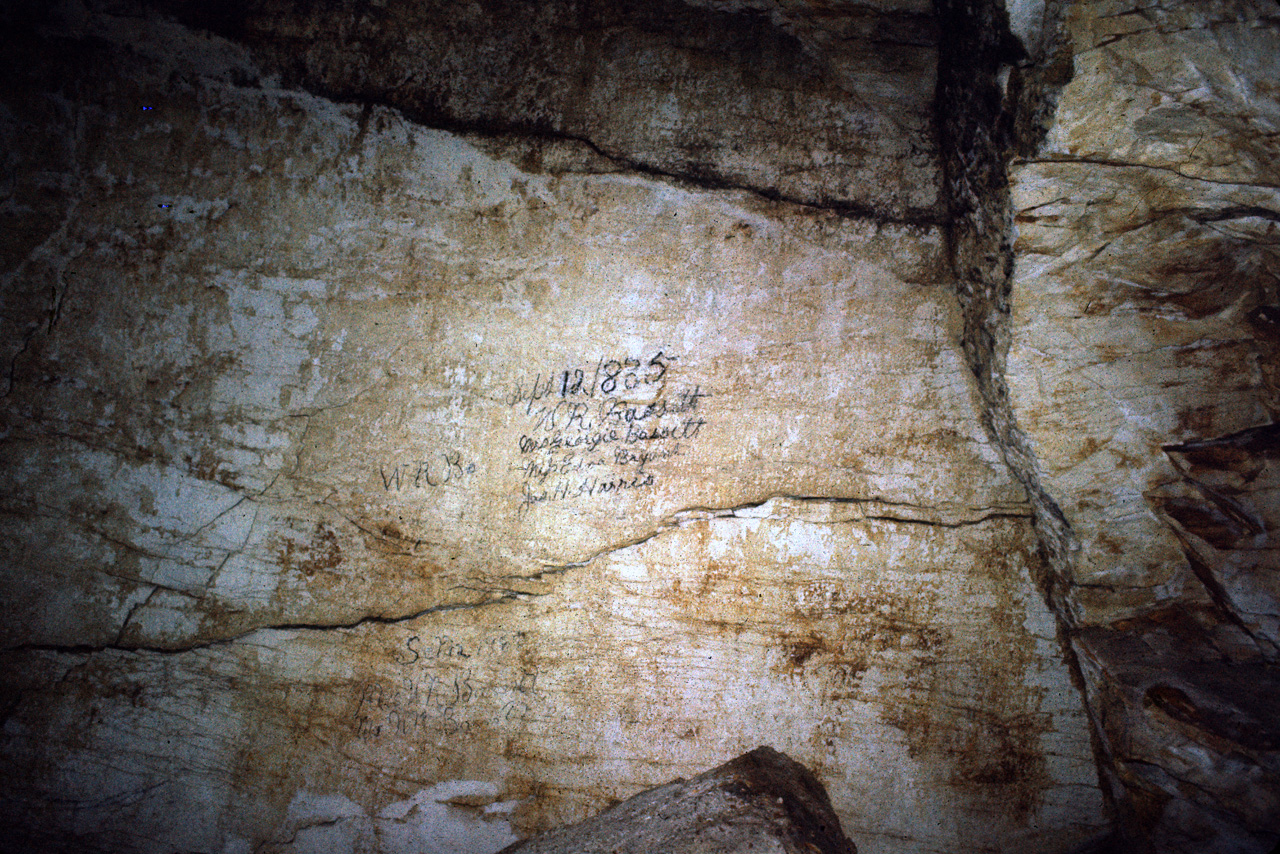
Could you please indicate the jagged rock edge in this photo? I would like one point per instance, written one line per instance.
(977, 124)
(922, 218)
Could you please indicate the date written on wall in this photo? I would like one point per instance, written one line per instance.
(593, 434)
(449, 685)
(610, 377)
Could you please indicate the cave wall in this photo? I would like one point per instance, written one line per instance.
(1142, 368)
(429, 424)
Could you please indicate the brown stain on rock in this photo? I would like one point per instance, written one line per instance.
(799, 650)
(321, 553)
(1206, 520)
(820, 631)
(991, 744)
(1205, 283)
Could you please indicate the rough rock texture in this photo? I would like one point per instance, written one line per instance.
(723, 94)
(762, 801)
(1142, 373)
(427, 424)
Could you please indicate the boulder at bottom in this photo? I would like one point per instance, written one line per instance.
(763, 801)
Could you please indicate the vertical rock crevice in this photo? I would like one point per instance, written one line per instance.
(996, 94)
(994, 100)
(1167, 676)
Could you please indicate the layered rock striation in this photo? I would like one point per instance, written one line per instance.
(1117, 325)
(429, 424)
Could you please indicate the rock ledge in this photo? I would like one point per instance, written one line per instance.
(763, 801)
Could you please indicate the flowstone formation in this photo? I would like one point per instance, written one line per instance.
(429, 424)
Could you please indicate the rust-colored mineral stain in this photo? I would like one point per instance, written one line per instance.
(993, 746)
(321, 552)
(799, 650)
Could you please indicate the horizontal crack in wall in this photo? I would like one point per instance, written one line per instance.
(426, 102)
(693, 515)
(1110, 163)
(502, 590)
(177, 649)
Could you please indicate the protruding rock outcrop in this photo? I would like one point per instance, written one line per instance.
(763, 801)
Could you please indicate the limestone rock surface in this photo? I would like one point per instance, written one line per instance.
(427, 424)
(376, 484)
(1142, 368)
(833, 110)
(761, 801)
